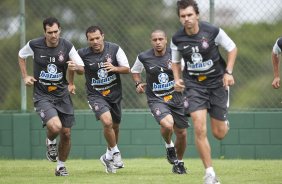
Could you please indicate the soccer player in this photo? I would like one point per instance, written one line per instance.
(276, 51)
(206, 77)
(104, 62)
(166, 104)
(53, 57)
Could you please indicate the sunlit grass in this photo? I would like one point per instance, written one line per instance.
(140, 171)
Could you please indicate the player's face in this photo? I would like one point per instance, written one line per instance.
(52, 35)
(158, 41)
(96, 41)
(188, 17)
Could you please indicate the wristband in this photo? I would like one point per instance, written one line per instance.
(228, 72)
(137, 83)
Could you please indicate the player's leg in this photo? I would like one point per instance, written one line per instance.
(112, 152)
(67, 119)
(180, 129)
(200, 132)
(64, 150)
(166, 130)
(116, 117)
(102, 111)
(219, 128)
(180, 146)
(53, 128)
(49, 116)
(218, 112)
(109, 133)
(162, 115)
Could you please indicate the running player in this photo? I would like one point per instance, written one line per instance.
(276, 51)
(166, 105)
(104, 62)
(53, 57)
(206, 77)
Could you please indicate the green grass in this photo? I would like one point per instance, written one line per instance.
(140, 171)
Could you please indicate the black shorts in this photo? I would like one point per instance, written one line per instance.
(100, 105)
(161, 110)
(215, 100)
(63, 108)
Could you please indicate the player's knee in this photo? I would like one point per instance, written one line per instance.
(65, 135)
(168, 127)
(219, 134)
(108, 124)
(54, 126)
(181, 134)
(200, 132)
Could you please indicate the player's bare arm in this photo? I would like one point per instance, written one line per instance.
(71, 86)
(140, 86)
(276, 71)
(228, 79)
(178, 82)
(28, 80)
(72, 66)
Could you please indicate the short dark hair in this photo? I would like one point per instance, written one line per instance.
(182, 4)
(159, 31)
(93, 29)
(50, 21)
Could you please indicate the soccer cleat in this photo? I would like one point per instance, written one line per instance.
(61, 172)
(51, 152)
(209, 179)
(118, 163)
(179, 168)
(108, 164)
(171, 155)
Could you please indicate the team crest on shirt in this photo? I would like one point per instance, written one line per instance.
(42, 114)
(109, 58)
(205, 43)
(157, 111)
(169, 63)
(96, 107)
(61, 56)
(186, 103)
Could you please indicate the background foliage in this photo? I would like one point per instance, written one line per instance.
(254, 25)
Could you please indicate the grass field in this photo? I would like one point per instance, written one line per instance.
(140, 171)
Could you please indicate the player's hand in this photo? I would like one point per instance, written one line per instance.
(71, 65)
(29, 80)
(228, 80)
(179, 85)
(109, 67)
(276, 83)
(141, 88)
(71, 88)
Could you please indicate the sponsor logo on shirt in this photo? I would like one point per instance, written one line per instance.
(198, 63)
(51, 73)
(164, 83)
(103, 78)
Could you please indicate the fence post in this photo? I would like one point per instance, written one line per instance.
(22, 43)
(211, 11)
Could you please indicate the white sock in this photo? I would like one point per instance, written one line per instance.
(109, 154)
(60, 164)
(51, 142)
(180, 161)
(111, 151)
(210, 171)
(115, 149)
(169, 145)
